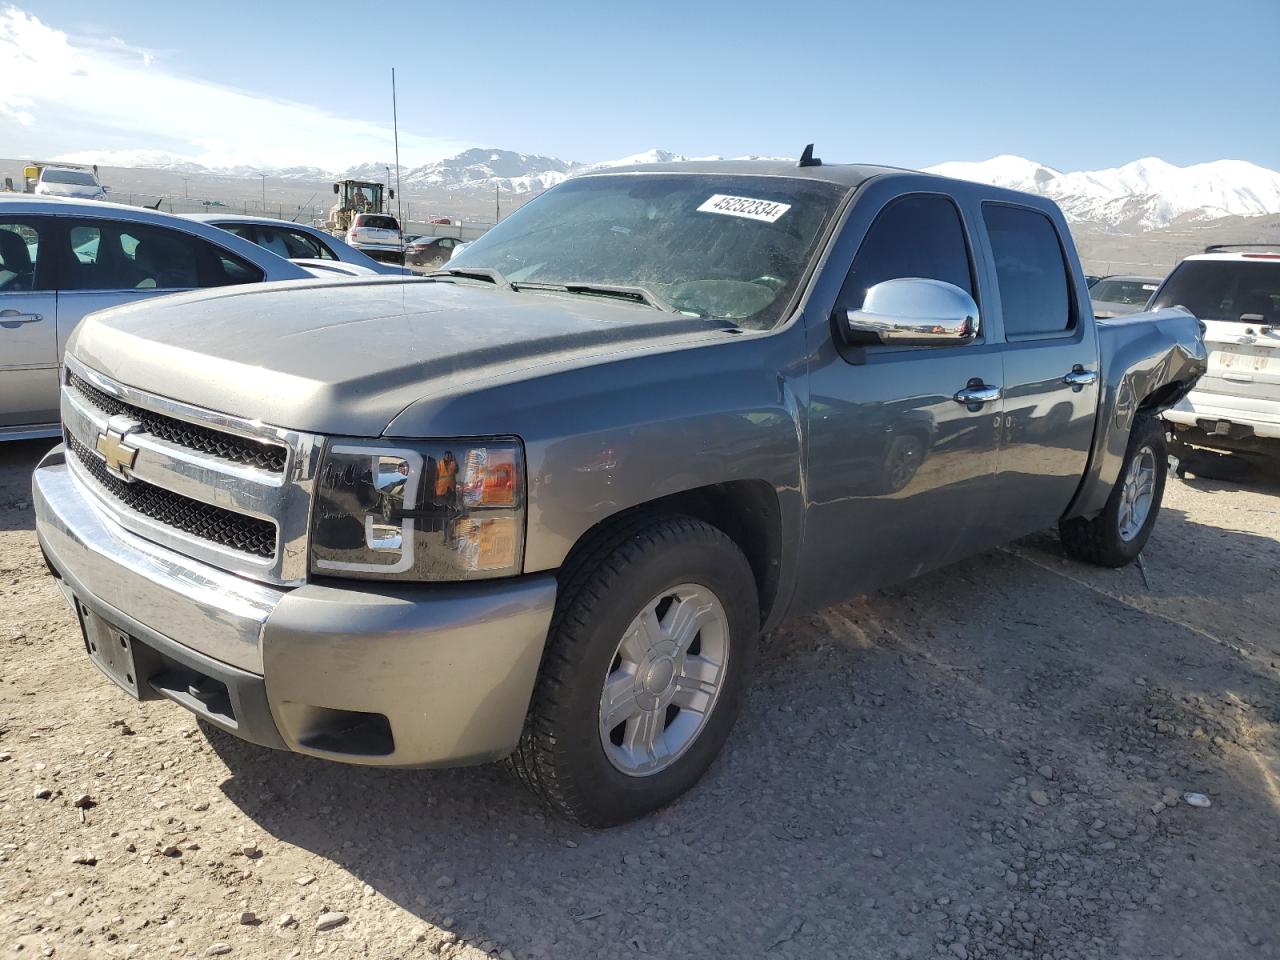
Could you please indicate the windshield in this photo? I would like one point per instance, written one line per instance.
(733, 247)
(1124, 291)
(1232, 290)
(76, 177)
(377, 223)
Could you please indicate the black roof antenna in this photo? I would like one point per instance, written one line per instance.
(807, 159)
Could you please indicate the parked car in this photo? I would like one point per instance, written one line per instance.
(443, 221)
(378, 236)
(1118, 295)
(61, 259)
(426, 253)
(298, 242)
(1235, 291)
(70, 181)
(540, 505)
(1090, 279)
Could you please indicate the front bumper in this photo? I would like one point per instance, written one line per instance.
(415, 676)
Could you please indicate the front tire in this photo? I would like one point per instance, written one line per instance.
(646, 666)
(1117, 535)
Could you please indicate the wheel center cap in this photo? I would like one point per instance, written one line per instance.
(659, 674)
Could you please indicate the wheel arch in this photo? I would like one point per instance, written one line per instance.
(746, 511)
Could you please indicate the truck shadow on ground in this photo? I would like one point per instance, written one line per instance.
(1209, 469)
(883, 789)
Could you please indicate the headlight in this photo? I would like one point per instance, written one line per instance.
(419, 510)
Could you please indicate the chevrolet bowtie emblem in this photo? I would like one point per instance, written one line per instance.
(117, 454)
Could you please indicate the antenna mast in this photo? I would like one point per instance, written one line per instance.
(395, 127)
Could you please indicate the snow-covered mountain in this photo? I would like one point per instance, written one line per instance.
(489, 169)
(1144, 194)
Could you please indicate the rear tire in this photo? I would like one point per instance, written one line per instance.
(1117, 535)
(662, 618)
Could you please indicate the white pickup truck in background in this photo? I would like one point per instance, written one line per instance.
(1235, 291)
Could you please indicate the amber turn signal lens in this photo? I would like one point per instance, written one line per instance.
(486, 544)
(490, 478)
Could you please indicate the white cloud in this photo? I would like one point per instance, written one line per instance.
(77, 94)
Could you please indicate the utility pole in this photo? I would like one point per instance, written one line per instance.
(497, 205)
(264, 193)
(185, 194)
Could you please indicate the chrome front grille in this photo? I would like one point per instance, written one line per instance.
(234, 531)
(231, 492)
(252, 453)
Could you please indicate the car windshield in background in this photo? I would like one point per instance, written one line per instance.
(76, 178)
(377, 223)
(731, 247)
(1123, 291)
(1234, 290)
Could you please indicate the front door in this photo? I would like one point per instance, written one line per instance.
(899, 472)
(1050, 369)
(28, 326)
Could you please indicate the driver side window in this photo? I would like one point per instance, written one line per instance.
(913, 236)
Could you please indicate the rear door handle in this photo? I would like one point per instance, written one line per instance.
(976, 393)
(1080, 377)
(14, 318)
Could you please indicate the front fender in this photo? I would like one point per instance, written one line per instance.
(621, 430)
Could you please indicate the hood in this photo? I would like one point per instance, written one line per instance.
(345, 358)
(72, 190)
(1102, 309)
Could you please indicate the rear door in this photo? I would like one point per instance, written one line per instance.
(28, 324)
(899, 473)
(1050, 367)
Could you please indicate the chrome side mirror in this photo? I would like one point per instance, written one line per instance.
(912, 312)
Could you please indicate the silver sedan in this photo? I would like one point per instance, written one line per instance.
(320, 252)
(61, 259)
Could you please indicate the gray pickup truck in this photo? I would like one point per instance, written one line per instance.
(540, 506)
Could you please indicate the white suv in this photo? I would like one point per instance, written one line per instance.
(70, 181)
(377, 235)
(1236, 294)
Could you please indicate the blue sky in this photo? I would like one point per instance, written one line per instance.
(1076, 85)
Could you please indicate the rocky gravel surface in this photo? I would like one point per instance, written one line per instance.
(1015, 757)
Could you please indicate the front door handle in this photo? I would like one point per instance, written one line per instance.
(1080, 377)
(976, 393)
(15, 318)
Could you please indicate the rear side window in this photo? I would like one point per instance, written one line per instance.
(1031, 271)
(1238, 291)
(1129, 292)
(293, 244)
(107, 255)
(917, 236)
(19, 257)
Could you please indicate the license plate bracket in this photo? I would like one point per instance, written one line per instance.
(110, 649)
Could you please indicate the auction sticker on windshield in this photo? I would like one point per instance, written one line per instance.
(765, 210)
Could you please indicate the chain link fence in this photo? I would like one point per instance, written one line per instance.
(224, 195)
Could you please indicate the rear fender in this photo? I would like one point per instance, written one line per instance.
(1150, 361)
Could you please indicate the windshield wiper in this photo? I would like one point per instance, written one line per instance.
(634, 294)
(474, 273)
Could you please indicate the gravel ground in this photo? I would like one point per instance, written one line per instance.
(990, 761)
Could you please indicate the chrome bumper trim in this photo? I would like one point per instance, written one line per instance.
(211, 611)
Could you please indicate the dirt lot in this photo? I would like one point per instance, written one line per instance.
(988, 762)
